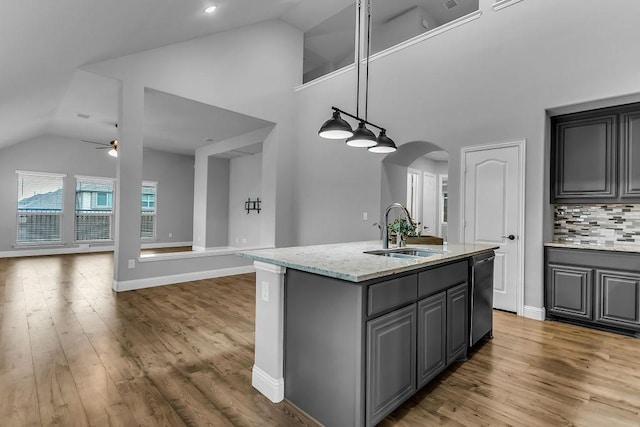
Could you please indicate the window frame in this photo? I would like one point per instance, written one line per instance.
(154, 214)
(98, 180)
(60, 214)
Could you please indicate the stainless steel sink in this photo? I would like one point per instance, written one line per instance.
(407, 252)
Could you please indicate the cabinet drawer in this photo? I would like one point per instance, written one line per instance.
(391, 294)
(441, 278)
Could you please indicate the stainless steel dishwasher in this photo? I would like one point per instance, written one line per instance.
(481, 318)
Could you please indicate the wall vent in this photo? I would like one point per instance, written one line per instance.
(450, 4)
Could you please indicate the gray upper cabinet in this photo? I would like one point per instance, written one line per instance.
(595, 156)
(584, 152)
(630, 155)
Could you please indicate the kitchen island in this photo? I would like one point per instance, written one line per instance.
(348, 335)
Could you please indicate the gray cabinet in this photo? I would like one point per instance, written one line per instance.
(432, 337)
(595, 156)
(569, 291)
(618, 297)
(594, 287)
(391, 361)
(584, 156)
(457, 322)
(630, 155)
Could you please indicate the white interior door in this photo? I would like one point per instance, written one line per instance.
(430, 204)
(493, 214)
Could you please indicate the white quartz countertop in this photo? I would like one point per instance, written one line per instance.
(594, 246)
(347, 261)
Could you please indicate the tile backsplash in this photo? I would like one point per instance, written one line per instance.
(597, 224)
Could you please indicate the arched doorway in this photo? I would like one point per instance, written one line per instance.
(416, 175)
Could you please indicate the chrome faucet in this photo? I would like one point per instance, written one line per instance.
(385, 230)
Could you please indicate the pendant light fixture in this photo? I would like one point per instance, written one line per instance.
(337, 127)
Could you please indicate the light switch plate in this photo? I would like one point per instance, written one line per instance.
(265, 291)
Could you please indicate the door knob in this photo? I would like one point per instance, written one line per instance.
(510, 237)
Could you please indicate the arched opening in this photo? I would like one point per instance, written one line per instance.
(416, 175)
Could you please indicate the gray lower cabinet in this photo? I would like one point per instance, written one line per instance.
(569, 291)
(432, 337)
(594, 287)
(391, 361)
(354, 352)
(618, 296)
(457, 322)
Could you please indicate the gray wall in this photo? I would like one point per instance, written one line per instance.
(489, 81)
(217, 202)
(244, 182)
(56, 154)
(174, 174)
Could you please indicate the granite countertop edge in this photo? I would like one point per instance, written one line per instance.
(347, 261)
(594, 247)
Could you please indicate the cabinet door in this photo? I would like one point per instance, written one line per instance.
(584, 155)
(432, 337)
(457, 322)
(630, 155)
(391, 362)
(618, 299)
(569, 291)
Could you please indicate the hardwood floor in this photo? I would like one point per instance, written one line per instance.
(72, 352)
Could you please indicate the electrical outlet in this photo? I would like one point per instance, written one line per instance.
(132, 263)
(244, 240)
(265, 291)
(365, 216)
(170, 234)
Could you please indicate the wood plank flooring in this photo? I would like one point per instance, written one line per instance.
(72, 352)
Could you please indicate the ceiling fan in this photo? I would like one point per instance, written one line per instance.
(112, 146)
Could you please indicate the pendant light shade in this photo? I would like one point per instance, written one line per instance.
(336, 128)
(362, 137)
(384, 145)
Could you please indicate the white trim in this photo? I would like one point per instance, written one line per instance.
(269, 268)
(211, 252)
(325, 77)
(501, 4)
(271, 387)
(522, 150)
(427, 35)
(95, 179)
(164, 245)
(403, 45)
(49, 174)
(150, 282)
(536, 313)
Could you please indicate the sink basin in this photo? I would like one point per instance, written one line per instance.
(407, 252)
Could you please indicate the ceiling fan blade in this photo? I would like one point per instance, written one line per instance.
(95, 142)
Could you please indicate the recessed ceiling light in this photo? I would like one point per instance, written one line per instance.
(210, 9)
(83, 115)
(208, 140)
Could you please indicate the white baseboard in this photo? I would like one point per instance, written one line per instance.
(55, 251)
(149, 282)
(271, 387)
(536, 313)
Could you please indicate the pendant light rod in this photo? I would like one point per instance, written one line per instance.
(366, 79)
(358, 118)
(358, 58)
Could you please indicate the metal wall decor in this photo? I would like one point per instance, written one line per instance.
(253, 205)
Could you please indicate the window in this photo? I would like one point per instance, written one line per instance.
(148, 211)
(94, 209)
(39, 210)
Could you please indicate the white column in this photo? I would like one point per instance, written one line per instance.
(268, 367)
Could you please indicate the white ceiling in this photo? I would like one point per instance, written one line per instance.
(43, 43)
